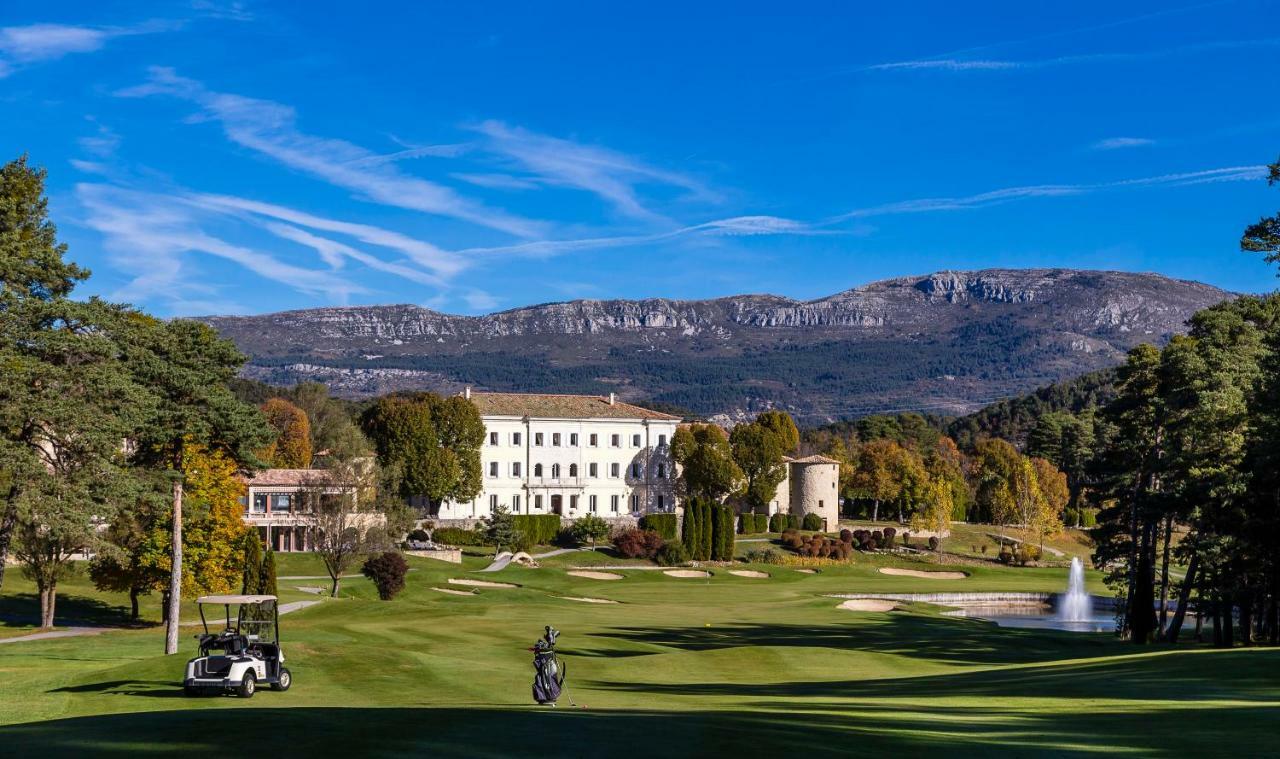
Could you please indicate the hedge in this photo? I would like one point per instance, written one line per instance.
(793, 521)
(778, 522)
(538, 529)
(456, 536)
(665, 525)
(812, 521)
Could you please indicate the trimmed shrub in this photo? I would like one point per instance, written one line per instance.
(933, 543)
(456, 536)
(707, 531)
(793, 521)
(418, 536)
(846, 536)
(638, 544)
(672, 554)
(540, 529)
(666, 525)
(812, 522)
(764, 556)
(723, 537)
(387, 571)
(689, 527)
(778, 522)
(906, 539)
(589, 528)
(889, 534)
(878, 537)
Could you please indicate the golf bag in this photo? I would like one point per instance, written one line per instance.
(548, 677)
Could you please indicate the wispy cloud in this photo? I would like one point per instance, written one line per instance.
(607, 173)
(150, 237)
(1119, 143)
(497, 181)
(39, 43)
(269, 128)
(1010, 194)
(986, 64)
(335, 254)
(479, 300)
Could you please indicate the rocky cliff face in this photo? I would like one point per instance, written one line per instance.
(946, 342)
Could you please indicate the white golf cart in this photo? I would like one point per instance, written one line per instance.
(239, 659)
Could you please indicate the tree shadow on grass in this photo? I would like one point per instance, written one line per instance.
(946, 639)
(829, 729)
(1232, 676)
(145, 688)
(23, 610)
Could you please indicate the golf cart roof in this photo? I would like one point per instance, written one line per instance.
(228, 600)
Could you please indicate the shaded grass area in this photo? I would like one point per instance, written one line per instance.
(725, 665)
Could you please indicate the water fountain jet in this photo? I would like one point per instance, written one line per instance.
(1076, 605)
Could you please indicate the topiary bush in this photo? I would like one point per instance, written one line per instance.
(889, 534)
(906, 539)
(846, 536)
(793, 521)
(418, 536)
(933, 543)
(387, 571)
(672, 554)
(812, 522)
(638, 544)
(778, 522)
(666, 525)
(764, 556)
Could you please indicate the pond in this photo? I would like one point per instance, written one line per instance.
(1039, 616)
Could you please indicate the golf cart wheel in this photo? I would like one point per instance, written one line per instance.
(286, 679)
(247, 686)
(190, 690)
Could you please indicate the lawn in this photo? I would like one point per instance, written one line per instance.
(720, 666)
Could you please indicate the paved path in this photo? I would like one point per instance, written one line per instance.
(557, 552)
(1011, 539)
(72, 632)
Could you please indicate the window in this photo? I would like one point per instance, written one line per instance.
(591, 501)
(662, 471)
(573, 470)
(537, 470)
(555, 471)
(593, 470)
(635, 469)
(555, 438)
(573, 439)
(259, 503)
(515, 438)
(635, 441)
(615, 441)
(515, 503)
(661, 504)
(493, 438)
(635, 503)
(662, 440)
(515, 469)
(537, 438)
(493, 503)
(593, 440)
(493, 469)
(281, 502)
(537, 502)
(613, 503)
(614, 469)
(573, 503)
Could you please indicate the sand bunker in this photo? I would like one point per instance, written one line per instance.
(453, 592)
(926, 575)
(748, 573)
(869, 604)
(481, 583)
(807, 571)
(587, 600)
(686, 573)
(595, 575)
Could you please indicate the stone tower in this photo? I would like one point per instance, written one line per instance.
(815, 489)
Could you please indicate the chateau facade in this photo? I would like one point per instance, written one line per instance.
(570, 455)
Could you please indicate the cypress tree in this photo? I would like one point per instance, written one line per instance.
(689, 530)
(252, 564)
(706, 525)
(268, 583)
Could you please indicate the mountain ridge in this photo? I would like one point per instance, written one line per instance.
(948, 340)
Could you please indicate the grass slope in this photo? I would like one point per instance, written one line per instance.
(720, 666)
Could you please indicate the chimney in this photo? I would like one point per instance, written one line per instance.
(613, 398)
(466, 392)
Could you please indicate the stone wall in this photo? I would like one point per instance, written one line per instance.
(815, 489)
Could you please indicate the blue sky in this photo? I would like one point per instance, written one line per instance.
(245, 157)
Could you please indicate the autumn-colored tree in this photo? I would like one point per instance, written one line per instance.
(292, 447)
(996, 466)
(934, 513)
(1054, 496)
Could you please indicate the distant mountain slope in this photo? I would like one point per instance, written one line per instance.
(1013, 418)
(949, 342)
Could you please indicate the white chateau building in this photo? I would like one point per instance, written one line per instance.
(571, 455)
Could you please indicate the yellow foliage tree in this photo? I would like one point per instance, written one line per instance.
(934, 513)
(292, 446)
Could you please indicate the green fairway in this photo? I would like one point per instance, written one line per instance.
(680, 667)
